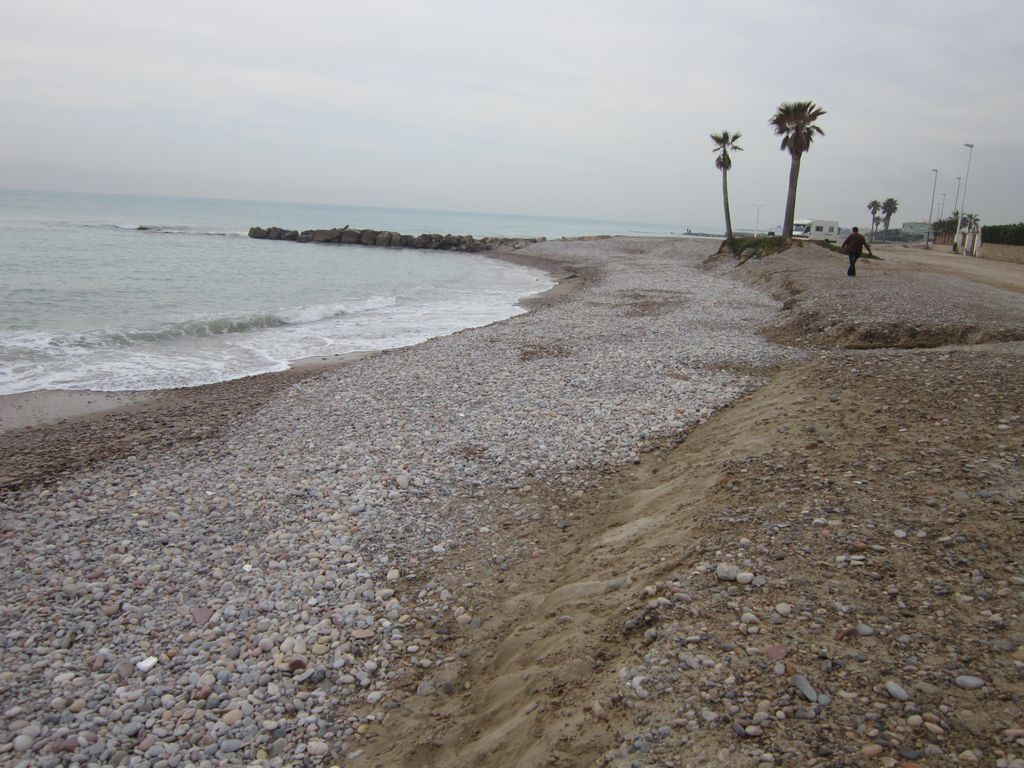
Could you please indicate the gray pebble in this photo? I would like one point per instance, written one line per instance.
(969, 682)
(803, 685)
(896, 691)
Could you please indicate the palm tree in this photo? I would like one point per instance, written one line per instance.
(874, 206)
(971, 221)
(725, 143)
(794, 121)
(889, 208)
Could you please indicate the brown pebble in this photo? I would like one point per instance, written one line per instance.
(777, 652)
(232, 716)
(67, 744)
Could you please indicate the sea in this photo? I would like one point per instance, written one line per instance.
(128, 292)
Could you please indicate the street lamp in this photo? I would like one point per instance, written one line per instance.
(757, 219)
(963, 202)
(942, 205)
(931, 208)
(956, 204)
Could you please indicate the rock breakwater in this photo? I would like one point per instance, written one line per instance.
(385, 238)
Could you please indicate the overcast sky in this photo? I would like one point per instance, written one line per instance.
(598, 109)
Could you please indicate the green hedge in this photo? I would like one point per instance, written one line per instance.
(1005, 234)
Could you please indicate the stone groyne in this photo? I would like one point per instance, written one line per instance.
(430, 242)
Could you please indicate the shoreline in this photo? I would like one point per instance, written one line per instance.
(53, 407)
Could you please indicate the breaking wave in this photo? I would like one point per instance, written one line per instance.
(192, 329)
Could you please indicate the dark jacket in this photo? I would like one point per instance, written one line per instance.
(855, 243)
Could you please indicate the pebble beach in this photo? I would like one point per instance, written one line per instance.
(264, 594)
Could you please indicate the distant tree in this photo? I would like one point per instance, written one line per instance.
(971, 220)
(874, 206)
(725, 143)
(794, 122)
(889, 208)
(946, 226)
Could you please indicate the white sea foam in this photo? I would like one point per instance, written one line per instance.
(206, 350)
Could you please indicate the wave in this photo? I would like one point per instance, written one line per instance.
(195, 328)
(169, 229)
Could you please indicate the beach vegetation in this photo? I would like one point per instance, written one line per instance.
(747, 247)
(725, 144)
(795, 121)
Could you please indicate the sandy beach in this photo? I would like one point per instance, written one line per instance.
(681, 513)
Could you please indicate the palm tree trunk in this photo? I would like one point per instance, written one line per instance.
(787, 224)
(725, 202)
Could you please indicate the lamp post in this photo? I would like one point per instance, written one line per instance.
(942, 205)
(931, 208)
(963, 202)
(757, 218)
(956, 208)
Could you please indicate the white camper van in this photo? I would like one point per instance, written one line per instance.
(816, 229)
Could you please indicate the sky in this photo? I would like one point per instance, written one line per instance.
(596, 109)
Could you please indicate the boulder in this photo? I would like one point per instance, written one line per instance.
(274, 233)
(351, 236)
(448, 243)
(409, 241)
(290, 234)
(326, 235)
(368, 237)
(306, 236)
(383, 238)
(258, 233)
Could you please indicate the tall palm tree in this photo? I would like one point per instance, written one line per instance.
(794, 121)
(725, 143)
(874, 206)
(889, 208)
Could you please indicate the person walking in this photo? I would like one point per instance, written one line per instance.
(852, 246)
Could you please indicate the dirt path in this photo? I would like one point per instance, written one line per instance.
(939, 259)
(829, 572)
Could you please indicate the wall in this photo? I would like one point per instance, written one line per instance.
(999, 252)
